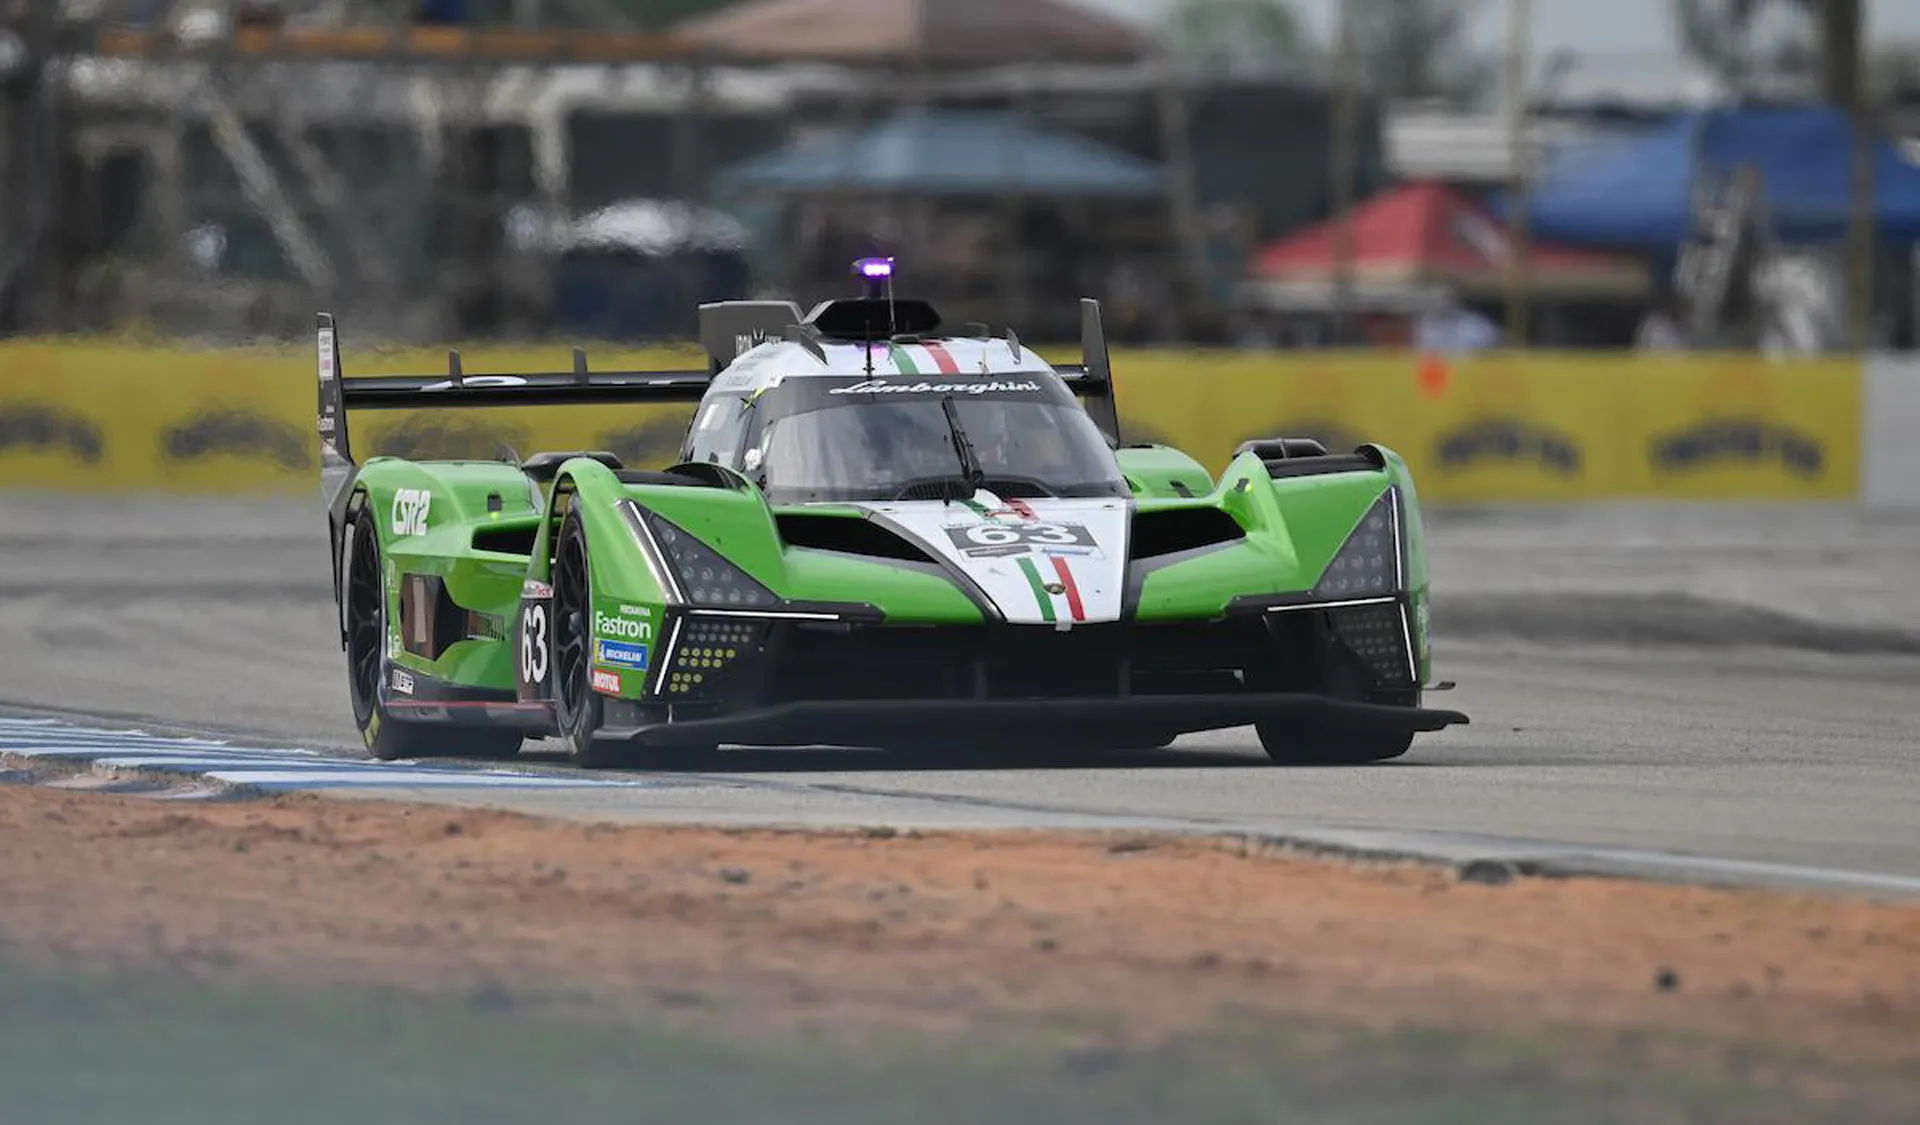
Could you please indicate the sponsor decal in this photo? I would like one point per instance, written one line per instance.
(622, 626)
(410, 507)
(970, 387)
(1510, 440)
(477, 381)
(1749, 441)
(533, 644)
(1005, 540)
(535, 589)
(235, 432)
(620, 654)
(326, 354)
(402, 681)
(44, 427)
(608, 682)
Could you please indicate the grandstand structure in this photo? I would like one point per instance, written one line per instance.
(220, 168)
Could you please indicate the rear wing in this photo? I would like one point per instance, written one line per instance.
(454, 388)
(1092, 377)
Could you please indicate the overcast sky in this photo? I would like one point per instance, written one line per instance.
(1623, 48)
(1597, 25)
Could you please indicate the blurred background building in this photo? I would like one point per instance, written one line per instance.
(1264, 173)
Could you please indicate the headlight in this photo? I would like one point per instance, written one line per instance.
(1368, 563)
(708, 579)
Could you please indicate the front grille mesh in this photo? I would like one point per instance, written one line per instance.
(1377, 635)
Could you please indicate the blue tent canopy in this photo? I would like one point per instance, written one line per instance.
(939, 153)
(1637, 192)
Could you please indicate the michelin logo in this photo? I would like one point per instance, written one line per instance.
(619, 654)
(984, 387)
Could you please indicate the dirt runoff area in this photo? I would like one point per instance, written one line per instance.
(774, 928)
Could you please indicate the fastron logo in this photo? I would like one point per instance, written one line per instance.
(983, 387)
(607, 625)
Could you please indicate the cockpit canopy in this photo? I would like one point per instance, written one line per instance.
(834, 438)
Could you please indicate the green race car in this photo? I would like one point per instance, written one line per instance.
(877, 535)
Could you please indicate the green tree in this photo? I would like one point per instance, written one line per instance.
(1234, 35)
(1418, 49)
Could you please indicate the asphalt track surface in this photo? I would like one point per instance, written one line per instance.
(1738, 682)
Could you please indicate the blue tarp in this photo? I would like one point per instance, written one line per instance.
(948, 154)
(1637, 192)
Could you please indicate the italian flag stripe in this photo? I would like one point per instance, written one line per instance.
(903, 359)
(1074, 607)
(942, 359)
(1039, 588)
(1026, 512)
(976, 507)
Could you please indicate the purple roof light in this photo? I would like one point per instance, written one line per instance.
(874, 268)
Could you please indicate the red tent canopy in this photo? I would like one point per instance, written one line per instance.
(1427, 236)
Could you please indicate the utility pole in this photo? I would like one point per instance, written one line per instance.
(1519, 54)
(1843, 85)
(1345, 145)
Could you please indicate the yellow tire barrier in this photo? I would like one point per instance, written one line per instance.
(97, 416)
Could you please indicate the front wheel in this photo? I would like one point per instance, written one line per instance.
(1292, 744)
(386, 737)
(578, 709)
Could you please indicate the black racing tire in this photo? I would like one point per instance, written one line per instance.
(1291, 744)
(578, 710)
(386, 737)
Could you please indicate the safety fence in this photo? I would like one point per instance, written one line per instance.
(88, 415)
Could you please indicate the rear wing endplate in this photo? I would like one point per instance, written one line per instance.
(1092, 377)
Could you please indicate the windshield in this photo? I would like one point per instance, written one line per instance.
(842, 439)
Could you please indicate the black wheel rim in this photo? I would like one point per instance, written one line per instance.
(365, 622)
(570, 625)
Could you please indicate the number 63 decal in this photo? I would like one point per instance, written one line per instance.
(1002, 538)
(533, 644)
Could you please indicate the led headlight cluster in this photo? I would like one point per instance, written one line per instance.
(706, 648)
(1368, 563)
(1377, 635)
(709, 580)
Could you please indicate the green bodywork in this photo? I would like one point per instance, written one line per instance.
(1294, 527)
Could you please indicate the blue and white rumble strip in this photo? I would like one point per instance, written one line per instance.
(46, 741)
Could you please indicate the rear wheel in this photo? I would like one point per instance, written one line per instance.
(578, 709)
(386, 737)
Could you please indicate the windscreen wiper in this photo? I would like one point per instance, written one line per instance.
(972, 476)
